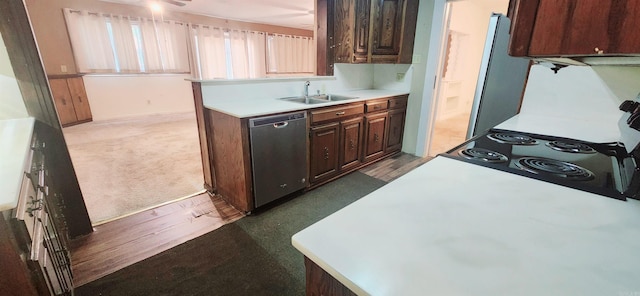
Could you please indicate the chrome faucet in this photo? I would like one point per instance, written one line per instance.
(306, 88)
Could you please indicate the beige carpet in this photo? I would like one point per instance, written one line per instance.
(125, 166)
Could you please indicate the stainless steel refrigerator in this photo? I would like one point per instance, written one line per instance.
(501, 80)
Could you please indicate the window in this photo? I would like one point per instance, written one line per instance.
(105, 43)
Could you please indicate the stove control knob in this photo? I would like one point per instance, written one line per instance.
(629, 106)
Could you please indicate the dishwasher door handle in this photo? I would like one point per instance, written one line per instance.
(280, 124)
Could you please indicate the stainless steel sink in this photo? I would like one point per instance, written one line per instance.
(339, 97)
(318, 99)
(304, 100)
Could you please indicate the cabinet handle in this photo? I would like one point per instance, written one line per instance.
(376, 138)
(64, 102)
(352, 145)
(80, 99)
(598, 50)
(340, 113)
(326, 153)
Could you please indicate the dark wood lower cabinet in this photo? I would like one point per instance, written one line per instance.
(395, 130)
(319, 282)
(374, 141)
(324, 151)
(342, 138)
(351, 137)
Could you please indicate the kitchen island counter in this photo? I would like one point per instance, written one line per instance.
(452, 228)
(266, 104)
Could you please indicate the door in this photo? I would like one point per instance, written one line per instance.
(465, 29)
(324, 151)
(350, 138)
(63, 101)
(79, 98)
(396, 128)
(374, 135)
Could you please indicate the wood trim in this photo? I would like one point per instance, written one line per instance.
(23, 53)
(319, 282)
(523, 17)
(322, 36)
(64, 76)
(204, 133)
(232, 159)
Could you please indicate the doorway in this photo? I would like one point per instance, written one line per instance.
(465, 30)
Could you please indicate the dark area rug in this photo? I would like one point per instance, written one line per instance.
(252, 256)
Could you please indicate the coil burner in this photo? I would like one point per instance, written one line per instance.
(571, 147)
(512, 138)
(555, 168)
(484, 155)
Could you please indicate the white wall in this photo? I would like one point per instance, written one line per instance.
(574, 92)
(12, 105)
(113, 97)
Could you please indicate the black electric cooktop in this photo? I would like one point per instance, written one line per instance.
(600, 168)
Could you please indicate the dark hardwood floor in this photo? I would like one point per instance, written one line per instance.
(123, 242)
(120, 243)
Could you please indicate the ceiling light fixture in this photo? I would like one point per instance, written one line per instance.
(155, 6)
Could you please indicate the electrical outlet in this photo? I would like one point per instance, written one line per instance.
(399, 76)
(417, 59)
(63, 68)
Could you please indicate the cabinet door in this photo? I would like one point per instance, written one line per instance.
(344, 17)
(374, 136)
(573, 27)
(79, 98)
(396, 129)
(324, 151)
(63, 101)
(350, 138)
(361, 46)
(387, 26)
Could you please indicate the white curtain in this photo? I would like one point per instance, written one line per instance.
(90, 41)
(165, 46)
(113, 43)
(124, 44)
(239, 54)
(247, 52)
(290, 54)
(208, 52)
(257, 53)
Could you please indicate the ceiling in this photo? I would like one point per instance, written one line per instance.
(287, 13)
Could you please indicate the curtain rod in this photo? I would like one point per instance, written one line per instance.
(126, 16)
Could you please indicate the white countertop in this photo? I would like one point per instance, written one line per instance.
(15, 141)
(258, 106)
(445, 229)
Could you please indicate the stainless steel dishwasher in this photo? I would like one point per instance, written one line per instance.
(278, 155)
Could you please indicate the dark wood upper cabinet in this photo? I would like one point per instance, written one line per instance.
(365, 31)
(387, 27)
(574, 28)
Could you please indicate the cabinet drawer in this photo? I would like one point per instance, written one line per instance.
(336, 113)
(373, 106)
(398, 102)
